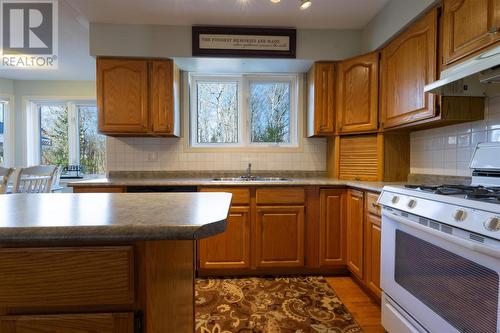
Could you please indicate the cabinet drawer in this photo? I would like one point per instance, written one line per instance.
(280, 195)
(56, 277)
(371, 203)
(241, 196)
(81, 323)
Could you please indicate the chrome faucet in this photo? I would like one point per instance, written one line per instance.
(249, 170)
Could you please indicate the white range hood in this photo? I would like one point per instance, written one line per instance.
(479, 76)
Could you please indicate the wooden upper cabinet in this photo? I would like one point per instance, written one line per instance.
(138, 97)
(357, 94)
(469, 26)
(355, 221)
(332, 224)
(122, 95)
(231, 249)
(279, 236)
(408, 63)
(321, 99)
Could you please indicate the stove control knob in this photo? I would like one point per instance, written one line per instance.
(412, 203)
(492, 224)
(395, 199)
(459, 215)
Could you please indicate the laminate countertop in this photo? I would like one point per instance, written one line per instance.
(310, 181)
(112, 217)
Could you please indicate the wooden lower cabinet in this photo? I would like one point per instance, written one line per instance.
(373, 236)
(355, 219)
(230, 249)
(332, 228)
(279, 236)
(76, 323)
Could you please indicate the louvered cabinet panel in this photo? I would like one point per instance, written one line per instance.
(358, 158)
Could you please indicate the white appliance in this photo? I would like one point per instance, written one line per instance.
(478, 76)
(440, 260)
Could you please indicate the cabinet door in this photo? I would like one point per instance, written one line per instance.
(373, 235)
(162, 90)
(231, 249)
(122, 95)
(321, 103)
(468, 26)
(279, 236)
(357, 94)
(332, 232)
(409, 62)
(76, 323)
(355, 219)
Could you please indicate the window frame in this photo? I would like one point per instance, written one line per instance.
(9, 129)
(34, 148)
(244, 115)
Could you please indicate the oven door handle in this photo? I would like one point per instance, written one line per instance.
(489, 251)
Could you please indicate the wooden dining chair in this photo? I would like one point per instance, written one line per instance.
(36, 179)
(5, 174)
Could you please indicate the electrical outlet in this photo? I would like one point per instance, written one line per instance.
(152, 157)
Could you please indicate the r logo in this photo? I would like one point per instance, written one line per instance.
(28, 27)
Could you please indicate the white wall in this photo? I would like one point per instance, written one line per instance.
(24, 90)
(395, 16)
(174, 41)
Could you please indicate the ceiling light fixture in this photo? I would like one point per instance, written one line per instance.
(275, 1)
(304, 4)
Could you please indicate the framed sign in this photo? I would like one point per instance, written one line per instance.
(244, 42)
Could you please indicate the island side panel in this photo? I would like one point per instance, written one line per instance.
(169, 270)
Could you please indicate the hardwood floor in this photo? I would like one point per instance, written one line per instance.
(363, 308)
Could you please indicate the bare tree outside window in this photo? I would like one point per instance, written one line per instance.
(217, 112)
(269, 105)
(92, 144)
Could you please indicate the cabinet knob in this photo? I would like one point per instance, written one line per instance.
(374, 205)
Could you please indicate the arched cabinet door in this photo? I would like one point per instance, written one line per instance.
(122, 95)
(469, 26)
(357, 94)
(409, 63)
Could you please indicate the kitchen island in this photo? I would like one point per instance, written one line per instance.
(107, 263)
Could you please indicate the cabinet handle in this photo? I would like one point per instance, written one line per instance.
(493, 30)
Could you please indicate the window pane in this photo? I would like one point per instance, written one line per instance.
(270, 112)
(217, 116)
(92, 144)
(2, 131)
(54, 134)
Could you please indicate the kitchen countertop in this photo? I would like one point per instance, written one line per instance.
(111, 217)
(311, 181)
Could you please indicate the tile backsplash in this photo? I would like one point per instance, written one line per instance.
(447, 150)
(171, 154)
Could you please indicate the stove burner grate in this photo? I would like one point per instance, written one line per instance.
(481, 193)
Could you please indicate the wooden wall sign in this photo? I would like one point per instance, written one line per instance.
(244, 42)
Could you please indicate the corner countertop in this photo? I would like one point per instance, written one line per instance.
(310, 181)
(112, 217)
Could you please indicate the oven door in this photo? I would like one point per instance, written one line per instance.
(446, 284)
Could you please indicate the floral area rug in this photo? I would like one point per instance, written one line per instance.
(270, 305)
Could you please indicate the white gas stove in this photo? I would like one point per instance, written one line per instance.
(440, 262)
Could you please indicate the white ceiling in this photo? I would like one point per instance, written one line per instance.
(323, 14)
(75, 63)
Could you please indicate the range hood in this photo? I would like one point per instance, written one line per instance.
(479, 76)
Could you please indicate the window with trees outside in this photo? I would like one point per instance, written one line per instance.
(243, 111)
(69, 137)
(2, 132)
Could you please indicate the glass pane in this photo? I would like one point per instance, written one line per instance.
(54, 134)
(2, 124)
(217, 117)
(270, 112)
(92, 144)
(448, 284)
